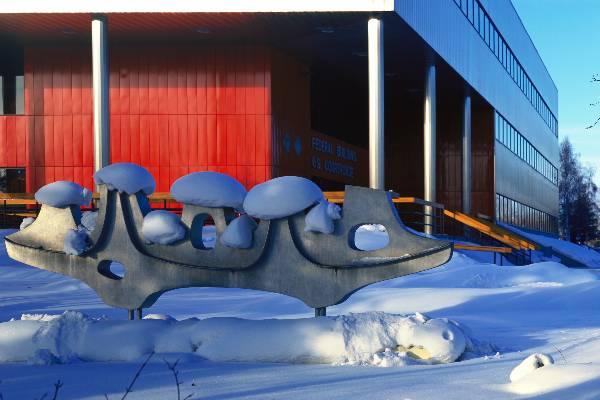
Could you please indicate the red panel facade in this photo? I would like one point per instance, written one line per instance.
(174, 110)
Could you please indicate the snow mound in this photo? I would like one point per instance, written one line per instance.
(357, 339)
(161, 317)
(88, 220)
(569, 381)
(463, 272)
(530, 364)
(126, 177)
(76, 241)
(209, 189)
(581, 253)
(26, 222)
(238, 233)
(320, 218)
(281, 197)
(63, 194)
(162, 227)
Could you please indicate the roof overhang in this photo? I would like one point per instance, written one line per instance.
(193, 6)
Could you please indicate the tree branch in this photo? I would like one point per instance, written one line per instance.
(137, 375)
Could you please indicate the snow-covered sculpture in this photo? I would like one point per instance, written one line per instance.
(301, 246)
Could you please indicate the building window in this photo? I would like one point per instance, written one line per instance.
(12, 82)
(522, 148)
(12, 180)
(473, 9)
(515, 213)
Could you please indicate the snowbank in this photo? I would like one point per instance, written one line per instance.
(239, 232)
(559, 377)
(63, 194)
(281, 197)
(320, 218)
(162, 227)
(126, 177)
(209, 189)
(587, 256)
(463, 272)
(529, 365)
(347, 339)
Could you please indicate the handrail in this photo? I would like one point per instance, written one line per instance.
(473, 247)
(338, 198)
(492, 230)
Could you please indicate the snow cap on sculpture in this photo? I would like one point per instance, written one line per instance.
(282, 197)
(209, 189)
(63, 194)
(126, 178)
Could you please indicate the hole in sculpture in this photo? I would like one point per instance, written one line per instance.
(209, 236)
(203, 235)
(111, 269)
(370, 237)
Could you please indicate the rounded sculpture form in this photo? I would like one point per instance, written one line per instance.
(63, 194)
(209, 189)
(239, 233)
(126, 177)
(321, 217)
(282, 197)
(162, 227)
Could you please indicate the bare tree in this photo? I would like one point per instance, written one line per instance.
(595, 79)
(578, 208)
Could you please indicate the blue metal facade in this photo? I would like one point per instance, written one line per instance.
(485, 42)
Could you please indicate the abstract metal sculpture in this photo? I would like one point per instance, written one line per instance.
(319, 269)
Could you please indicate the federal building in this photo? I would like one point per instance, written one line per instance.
(445, 100)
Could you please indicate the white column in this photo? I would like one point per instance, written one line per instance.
(429, 129)
(100, 86)
(466, 155)
(376, 106)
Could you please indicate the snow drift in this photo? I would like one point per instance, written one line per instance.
(463, 272)
(530, 364)
(349, 339)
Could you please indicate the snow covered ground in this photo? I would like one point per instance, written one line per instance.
(583, 254)
(508, 312)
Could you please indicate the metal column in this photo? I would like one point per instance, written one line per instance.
(100, 86)
(429, 149)
(466, 155)
(376, 105)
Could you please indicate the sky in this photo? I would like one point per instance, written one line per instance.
(566, 34)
